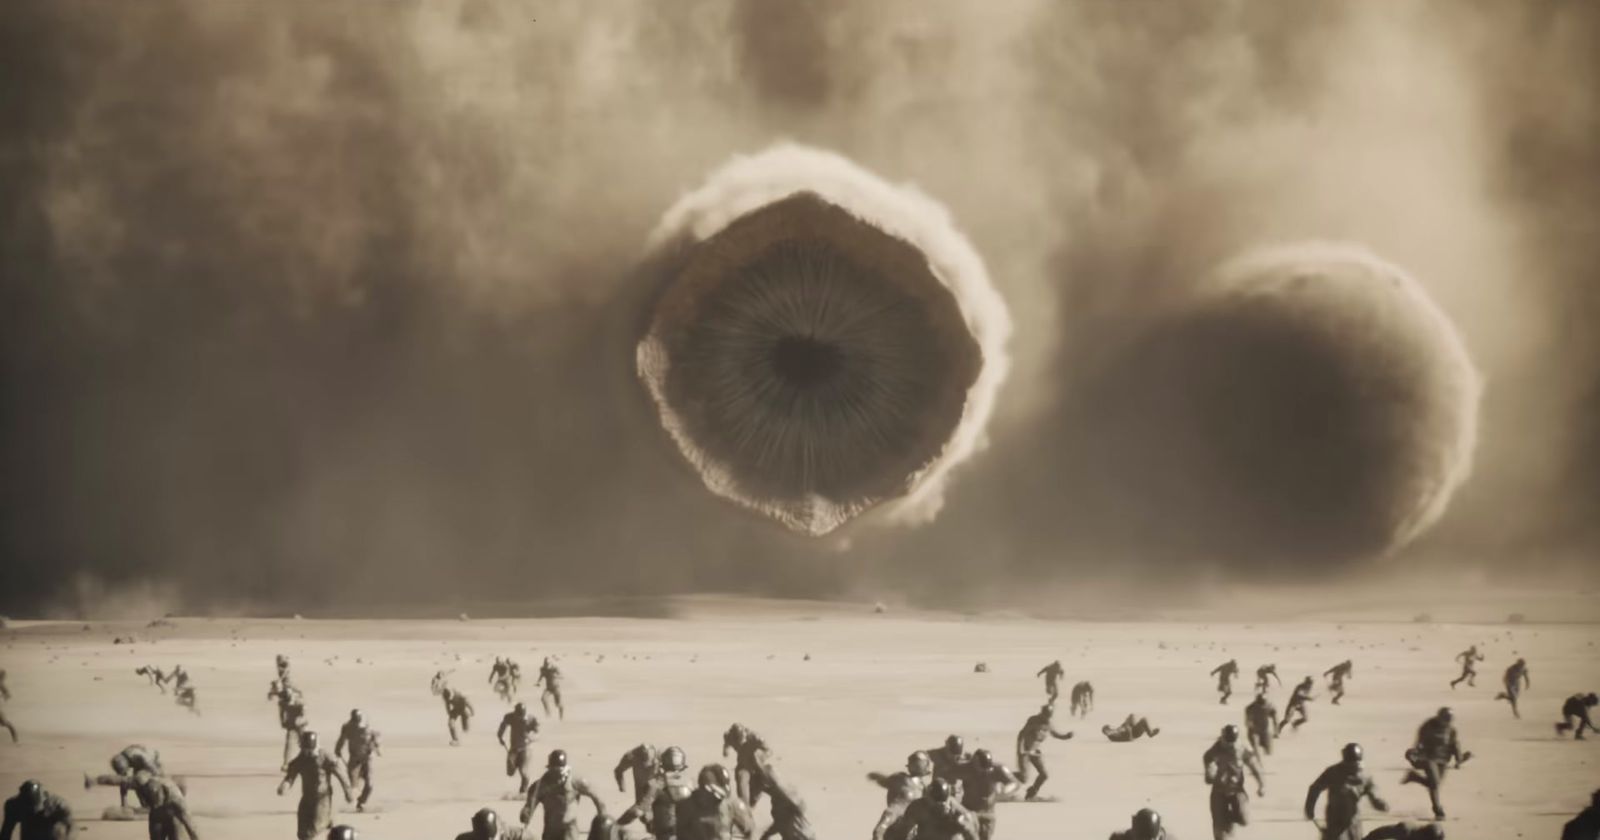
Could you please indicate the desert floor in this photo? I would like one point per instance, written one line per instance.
(875, 688)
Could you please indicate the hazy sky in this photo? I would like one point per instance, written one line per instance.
(305, 302)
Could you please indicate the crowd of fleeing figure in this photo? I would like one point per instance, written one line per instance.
(943, 793)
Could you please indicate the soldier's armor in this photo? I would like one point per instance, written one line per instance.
(1034, 734)
(669, 789)
(362, 740)
(1229, 762)
(1437, 741)
(523, 728)
(904, 787)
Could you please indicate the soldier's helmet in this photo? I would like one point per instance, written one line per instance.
(715, 779)
(1431, 831)
(673, 759)
(919, 763)
(1591, 699)
(938, 790)
(120, 764)
(1047, 709)
(357, 718)
(308, 741)
(447, 692)
(558, 760)
(342, 832)
(983, 758)
(1146, 824)
(736, 733)
(1230, 733)
(31, 793)
(1353, 753)
(1445, 714)
(520, 708)
(486, 824)
(955, 744)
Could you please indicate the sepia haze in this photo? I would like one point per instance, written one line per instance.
(312, 306)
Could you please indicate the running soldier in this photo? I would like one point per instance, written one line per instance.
(949, 759)
(292, 717)
(154, 675)
(316, 771)
(486, 825)
(37, 813)
(1586, 825)
(457, 709)
(1516, 679)
(643, 762)
(750, 754)
(558, 791)
(1410, 831)
(936, 816)
(1082, 699)
(1577, 709)
(524, 727)
(1052, 674)
(983, 783)
(1261, 724)
(1264, 676)
(1336, 677)
(5, 696)
(550, 678)
(160, 796)
(133, 759)
(902, 789)
(1225, 674)
(364, 747)
(658, 801)
(1346, 784)
(1437, 746)
(1226, 763)
(513, 675)
(497, 679)
(1469, 660)
(282, 692)
(183, 690)
(1030, 747)
(789, 821)
(1296, 707)
(711, 811)
(1146, 826)
(1132, 729)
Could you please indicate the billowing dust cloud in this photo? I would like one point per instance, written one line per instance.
(825, 342)
(1306, 401)
(322, 304)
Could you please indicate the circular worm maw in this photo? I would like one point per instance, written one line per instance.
(823, 343)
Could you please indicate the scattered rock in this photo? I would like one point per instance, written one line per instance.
(1516, 618)
(981, 668)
